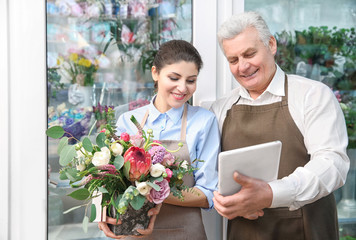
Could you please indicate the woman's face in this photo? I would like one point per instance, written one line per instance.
(176, 84)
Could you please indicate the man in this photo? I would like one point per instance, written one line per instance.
(304, 115)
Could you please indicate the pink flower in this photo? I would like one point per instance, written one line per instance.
(140, 162)
(125, 137)
(168, 159)
(103, 130)
(169, 174)
(159, 196)
(137, 140)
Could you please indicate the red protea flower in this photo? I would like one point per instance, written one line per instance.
(140, 162)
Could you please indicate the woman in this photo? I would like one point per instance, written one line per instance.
(175, 71)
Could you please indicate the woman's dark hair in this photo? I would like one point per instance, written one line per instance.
(175, 51)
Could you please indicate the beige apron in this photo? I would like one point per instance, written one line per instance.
(246, 125)
(175, 222)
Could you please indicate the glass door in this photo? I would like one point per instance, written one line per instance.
(99, 55)
(316, 39)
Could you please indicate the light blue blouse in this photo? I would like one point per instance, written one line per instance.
(203, 138)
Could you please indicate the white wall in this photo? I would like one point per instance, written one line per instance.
(4, 122)
(23, 120)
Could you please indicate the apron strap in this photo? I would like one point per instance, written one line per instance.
(143, 122)
(183, 129)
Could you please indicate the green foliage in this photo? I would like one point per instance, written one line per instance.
(67, 154)
(92, 213)
(137, 202)
(119, 162)
(62, 143)
(55, 132)
(322, 46)
(87, 145)
(80, 194)
(100, 140)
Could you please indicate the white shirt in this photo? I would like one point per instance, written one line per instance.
(317, 113)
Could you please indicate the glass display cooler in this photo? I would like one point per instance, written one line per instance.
(99, 56)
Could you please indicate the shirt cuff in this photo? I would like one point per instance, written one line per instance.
(209, 196)
(283, 193)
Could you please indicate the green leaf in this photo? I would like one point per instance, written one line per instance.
(72, 174)
(87, 145)
(100, 140)
(62, 143)
(67, 154)
(80, 194)
(158, 179)
(63, 175)
(138, 202)
(72, 209)
(92, 213)
(119, 162)
(154, 186)
(103, 190)
(127, 167)
(85, 224)
(55, 132)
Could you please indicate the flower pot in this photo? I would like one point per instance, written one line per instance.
(131, 220)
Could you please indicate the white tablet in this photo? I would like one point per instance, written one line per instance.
(259, 161)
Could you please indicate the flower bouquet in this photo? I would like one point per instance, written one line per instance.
(129, 173)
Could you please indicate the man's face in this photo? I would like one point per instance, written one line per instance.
(250, 61)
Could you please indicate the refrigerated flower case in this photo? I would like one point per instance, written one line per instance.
(99, 56)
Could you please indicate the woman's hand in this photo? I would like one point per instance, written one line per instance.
(153, 212)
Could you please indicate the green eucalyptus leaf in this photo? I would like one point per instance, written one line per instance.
(72, 209)
(62, 143)
(92, 213)
(87, 145)
(119, 162)
(103, 190)
(138, 201)
(72, 174)
(127, 167)
(63, 175)
(100, 140)
(158, 179)
(85, 224)
(67, 154)
(55, 132)
(154, 186)
(80, 194)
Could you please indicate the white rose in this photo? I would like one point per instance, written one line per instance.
(117, 149)
(102, 157)
(143, 188)
(157, 169)
(185, 164)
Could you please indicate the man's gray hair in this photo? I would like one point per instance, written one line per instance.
(238, 23)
